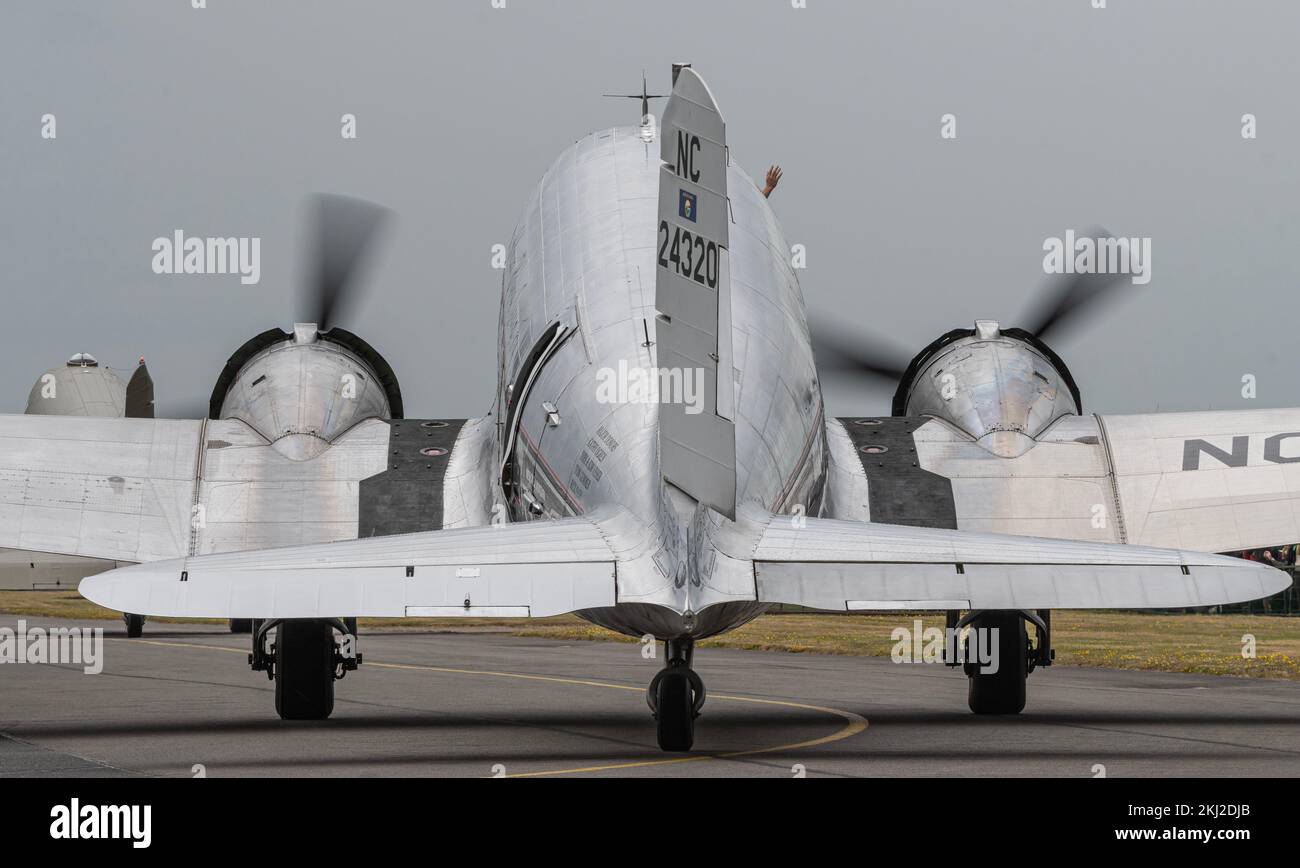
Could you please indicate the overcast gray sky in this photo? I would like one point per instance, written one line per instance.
(220, 121)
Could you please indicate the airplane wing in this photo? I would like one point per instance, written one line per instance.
(530, 569)
(117, 489)
(1206, 481)
(138, 490)
(854, 566)
(1214, 481)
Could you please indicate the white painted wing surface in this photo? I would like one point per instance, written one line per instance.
(847, 565)
(1212, 481)
(535, 569)
(117, 489)
(1218, 481)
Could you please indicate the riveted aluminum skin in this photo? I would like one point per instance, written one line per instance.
(999, 390)
(302, 393)
(583, 254)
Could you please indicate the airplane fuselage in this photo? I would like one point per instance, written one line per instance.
(578, 322)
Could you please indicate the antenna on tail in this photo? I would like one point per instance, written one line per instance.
(647, 119)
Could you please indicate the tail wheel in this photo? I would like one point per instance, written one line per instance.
(134, 625)
(304, 670)
(675, 709)
(1003, 691)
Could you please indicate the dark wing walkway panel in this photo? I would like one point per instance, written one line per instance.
(899, 490)
(408, 496)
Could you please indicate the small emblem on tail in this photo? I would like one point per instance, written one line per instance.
(686, 206)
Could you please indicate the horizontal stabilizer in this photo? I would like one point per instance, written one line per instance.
(856, 566)
(535, 569)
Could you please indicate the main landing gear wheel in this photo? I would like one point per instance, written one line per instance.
(675, 710)
(241, 625)
(1003, 691)
(134, 625)
(676, 695)
(304, 670)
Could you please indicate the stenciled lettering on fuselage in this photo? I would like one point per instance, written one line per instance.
(1238, 454)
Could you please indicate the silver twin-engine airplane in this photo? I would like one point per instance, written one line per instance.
(306, 499)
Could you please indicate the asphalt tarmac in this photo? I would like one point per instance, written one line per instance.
(181, 702)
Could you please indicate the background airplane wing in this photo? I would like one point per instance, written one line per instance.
(1207, 481)
(536, 568)
(845, 565)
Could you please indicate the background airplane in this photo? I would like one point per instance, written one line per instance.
(644, 517)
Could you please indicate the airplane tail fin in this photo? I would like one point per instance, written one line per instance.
(697, 440)
(139, 393)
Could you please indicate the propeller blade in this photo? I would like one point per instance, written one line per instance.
(861, 355)
(345, 231)
(1069, 296)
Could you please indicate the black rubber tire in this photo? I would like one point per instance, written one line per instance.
(134, 625)
(241, 625)
(304, 670)
(675, 711)
(1002, 692)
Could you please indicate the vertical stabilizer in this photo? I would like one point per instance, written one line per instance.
(697, 440)
(139, 393)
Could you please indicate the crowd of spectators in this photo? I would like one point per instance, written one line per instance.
(1278, 556)
(1285, 603)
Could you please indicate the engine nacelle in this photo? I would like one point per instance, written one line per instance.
(302, 390)
(1003, 387)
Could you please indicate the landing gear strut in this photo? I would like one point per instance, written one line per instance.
(1002, 690)
(304, 661)
(676, 696)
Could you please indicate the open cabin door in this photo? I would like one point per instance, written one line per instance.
(516, 399)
